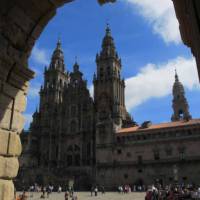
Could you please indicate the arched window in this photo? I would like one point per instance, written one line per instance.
(47, 84)
(156, 154)
(70, 155)
(73, 126)
(73, 111)
(54, 82)
(57, 151)
(118, 139)
(88, 122)
(168, 150)
(101, 72)
(60, 96)
(76, 148)
(89, 149)
(77, 159)
(182, 152)
(70, 148)
(180, 112)
(61, 83)
(102, 129)
(69, 160)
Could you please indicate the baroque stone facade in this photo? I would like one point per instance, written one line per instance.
(16, 41)
(75, 137)
(152, 153)
(64, 131)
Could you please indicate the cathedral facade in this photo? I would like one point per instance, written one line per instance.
(74, 137)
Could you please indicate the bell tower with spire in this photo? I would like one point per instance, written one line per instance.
(179, 103)
(108, 85)
(51, 99)
(55, 78)
(109, 99)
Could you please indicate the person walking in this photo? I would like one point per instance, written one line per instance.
(155, 195)
(59, 189)
(96, 191)
(102, 190)
(91, 190)
(66, 195)
(24, 196)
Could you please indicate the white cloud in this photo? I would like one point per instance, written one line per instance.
(155, 81)
(91, 90)
(34, 91)
(28, 120)
(40, 56)
(161, 15)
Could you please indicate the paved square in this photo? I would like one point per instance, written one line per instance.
(86, 196)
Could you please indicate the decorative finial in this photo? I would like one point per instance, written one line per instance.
(59, 42)
(107, 28)
(76, 66)
(76, 59)
(176, 75)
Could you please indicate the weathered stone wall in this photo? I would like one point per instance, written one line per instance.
(124, 168)
(148, 174)
(21, 23)
(188, 15)
(12, 103)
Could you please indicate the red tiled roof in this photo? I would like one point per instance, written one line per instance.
(159, 126)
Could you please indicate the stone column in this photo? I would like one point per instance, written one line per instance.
(13, 90)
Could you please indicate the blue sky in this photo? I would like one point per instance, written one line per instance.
(147, 39)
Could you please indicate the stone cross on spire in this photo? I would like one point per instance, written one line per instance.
(58, 43)
(176, 75)
(108, 32)
(76, 65)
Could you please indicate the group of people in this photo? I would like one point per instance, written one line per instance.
(172, 193)
(158, 192)
(124, 189)
(22, 196)
(95, 190)
(46, 191)
(69, 194)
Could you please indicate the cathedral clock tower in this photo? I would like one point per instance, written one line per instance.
(51, 98)
(109, 98)
(108, 84)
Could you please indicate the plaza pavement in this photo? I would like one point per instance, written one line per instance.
(86, 196)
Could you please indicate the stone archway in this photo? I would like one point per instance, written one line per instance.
(21, 23)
